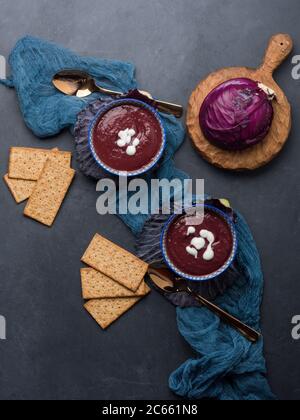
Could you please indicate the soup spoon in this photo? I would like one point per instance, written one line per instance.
(81, 84)
(166, 281)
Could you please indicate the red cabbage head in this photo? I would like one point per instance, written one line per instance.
(237, 114)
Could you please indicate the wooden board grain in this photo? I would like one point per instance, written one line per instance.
(280, 46)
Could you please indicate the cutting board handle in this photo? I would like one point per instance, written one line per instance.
(279, 48)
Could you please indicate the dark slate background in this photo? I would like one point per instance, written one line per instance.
(54, 350)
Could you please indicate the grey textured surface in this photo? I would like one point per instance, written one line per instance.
(54, 350)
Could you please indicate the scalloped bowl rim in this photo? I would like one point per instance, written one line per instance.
(103, 110)
(207, 277)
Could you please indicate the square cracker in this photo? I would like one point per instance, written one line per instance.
(96, 285)
(115, 262)
(27, 163)
(49, 193)
(20, 189)
(107, 311)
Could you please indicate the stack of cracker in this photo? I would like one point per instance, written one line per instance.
(43, 177)
(114, 281)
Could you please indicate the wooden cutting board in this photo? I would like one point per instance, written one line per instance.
(280, 46)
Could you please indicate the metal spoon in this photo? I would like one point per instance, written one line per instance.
(166, 281)
(81, 84)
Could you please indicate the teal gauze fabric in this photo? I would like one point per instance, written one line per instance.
(225, 365)
(46, 111)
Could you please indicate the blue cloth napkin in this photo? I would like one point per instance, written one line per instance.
(46, 111)
(226, 366)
